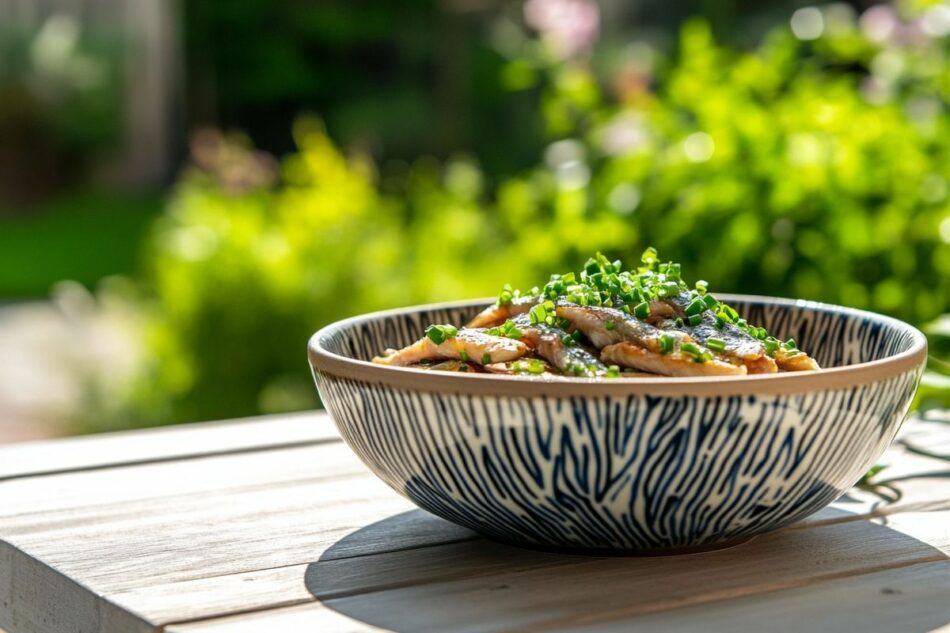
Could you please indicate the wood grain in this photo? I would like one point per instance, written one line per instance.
(299, 534)
(580, 590)
(30, 459)
(127, 484)
(908, 599)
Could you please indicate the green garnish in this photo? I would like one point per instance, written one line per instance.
(438, 333)
(695, 307)
(463, 355)
(613, 371)
(666, 344)
(716, 344)
(603, 282)
(508, 329)
(699, 355)
(506, 295)
(529, 366)
(486, 358)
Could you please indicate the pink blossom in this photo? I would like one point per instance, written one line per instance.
(570, 26)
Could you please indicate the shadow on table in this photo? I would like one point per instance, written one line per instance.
(438, 577)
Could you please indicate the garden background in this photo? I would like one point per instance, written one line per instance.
(189, 189)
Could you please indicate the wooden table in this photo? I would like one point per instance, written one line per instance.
(273, 525)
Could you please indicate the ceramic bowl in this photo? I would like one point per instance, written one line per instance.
(629, 465)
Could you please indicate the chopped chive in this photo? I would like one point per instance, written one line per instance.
(537, 314)
(463, 355)
(695, 307)
(695, 320)
(642, 310)
(716, 344)
(790, 344)
(720, 322)
(613, 371)
(486, 358)
(702, 286)
(710, 301)
(691, 348)
(771, 346)
(610, 325)
(438, 333)
(649, 256)
(666, 344)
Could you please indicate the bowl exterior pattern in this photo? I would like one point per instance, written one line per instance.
(630, 473)
(624, 472)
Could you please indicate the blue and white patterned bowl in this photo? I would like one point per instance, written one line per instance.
(632, 465)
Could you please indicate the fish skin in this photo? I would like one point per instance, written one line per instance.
(740, 345)
(592, 320)
(548, 342)
(495, 315)
(676, 364)
(474, 343)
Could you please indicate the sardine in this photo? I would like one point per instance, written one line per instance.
(497, 314)
(557, 347)
(468, 345)
(673, 364)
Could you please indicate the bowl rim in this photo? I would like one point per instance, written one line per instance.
(323, 361)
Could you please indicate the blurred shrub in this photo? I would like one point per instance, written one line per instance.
(60, 103)
(816, 169)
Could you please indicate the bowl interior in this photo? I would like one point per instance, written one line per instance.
(834, 336)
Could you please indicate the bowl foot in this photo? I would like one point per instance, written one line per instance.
(610, 552)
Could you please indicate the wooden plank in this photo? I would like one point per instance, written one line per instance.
(153, 481)
(222, 538)
(209, 536)
(586, 590)
(233, 527)
(909, 599)
(260, 529)
(40, 599)
(256, 589)
(154, 445)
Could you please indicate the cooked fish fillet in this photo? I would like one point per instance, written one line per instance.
(450, 365)
(498, 314)
(740, 345)
(548, 342)
(606, 326)
(468, 344)
(800, 361)
(672, 364)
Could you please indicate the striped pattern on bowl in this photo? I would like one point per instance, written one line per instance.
(625, 465)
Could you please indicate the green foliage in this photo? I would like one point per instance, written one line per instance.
(60, 85)
(82, 236)
(771, 172)
(780, 171)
